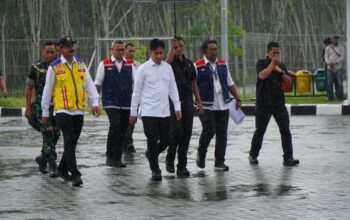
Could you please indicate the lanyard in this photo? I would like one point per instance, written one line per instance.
(214, 72)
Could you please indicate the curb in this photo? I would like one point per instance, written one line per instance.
(249, 110)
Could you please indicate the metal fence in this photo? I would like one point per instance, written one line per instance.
(298, 52)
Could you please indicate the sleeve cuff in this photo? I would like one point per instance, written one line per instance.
(177, 107)
(133, 112)
(94, 102)
(45, 113)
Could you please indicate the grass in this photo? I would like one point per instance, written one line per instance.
(295, 100)
(12, 102)
(247, 99)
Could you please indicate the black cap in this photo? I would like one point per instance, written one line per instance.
(66, 40)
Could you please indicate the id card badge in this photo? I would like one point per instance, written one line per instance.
(217, 85)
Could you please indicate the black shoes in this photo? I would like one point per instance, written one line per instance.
(42, 164)
(76, 181)
(253, 160)
(114, 163)
(64, 175)
(290, 162)
(200, 161)
(183, 172)
(119, 163)
(109, 162)
(221, 167)
(169, 167)
(157, 175)
(129, 149)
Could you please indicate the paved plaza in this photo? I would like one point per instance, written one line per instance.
(316, 189)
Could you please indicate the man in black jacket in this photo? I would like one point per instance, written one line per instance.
(270, 101)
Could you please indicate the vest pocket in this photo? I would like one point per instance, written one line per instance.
(61, 77)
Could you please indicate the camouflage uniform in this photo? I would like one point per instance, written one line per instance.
(51, 132)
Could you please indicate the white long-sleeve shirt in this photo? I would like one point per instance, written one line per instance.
(153, 86)
(100, 74)
(50, 83)
(331, 55)
(218, 103)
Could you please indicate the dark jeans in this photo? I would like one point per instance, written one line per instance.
(336, 79)
(181, 132)
(157, 131)
(262, 119)
(71, 126)
(118, 124)
(214, 123)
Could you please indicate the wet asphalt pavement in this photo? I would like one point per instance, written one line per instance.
(316, 189)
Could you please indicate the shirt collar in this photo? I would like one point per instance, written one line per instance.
(153, 63)
(65, 61)
(208, 61)
(114, 59)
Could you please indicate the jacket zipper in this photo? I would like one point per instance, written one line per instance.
(75, 86)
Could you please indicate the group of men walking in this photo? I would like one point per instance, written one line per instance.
(159, 92)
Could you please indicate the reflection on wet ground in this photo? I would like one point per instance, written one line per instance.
(317, 189)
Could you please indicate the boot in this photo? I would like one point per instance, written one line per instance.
(42, 164)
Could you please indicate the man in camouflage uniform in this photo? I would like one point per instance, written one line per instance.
(34, 89)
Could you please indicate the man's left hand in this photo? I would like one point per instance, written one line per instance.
(95, 110)
(238, 103)
(178, 115)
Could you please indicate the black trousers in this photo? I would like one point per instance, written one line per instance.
(157, 131)
(181, 132)
(128, 140)
(214, 123)
(71, 126)
(118, 124)
(262, 119)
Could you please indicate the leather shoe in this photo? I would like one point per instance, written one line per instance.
(110, 162)
(119, 163)
(169, 167)
(290, 162)
(253, 160)
(183, 172)
(76, 181)
(157, 175)
(221, 167)
(200, 161)
(64, 175)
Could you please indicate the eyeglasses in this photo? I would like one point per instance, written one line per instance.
(120, 49)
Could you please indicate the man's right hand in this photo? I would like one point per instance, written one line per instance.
(275, 60)
(173, 45)
(28, 113)
(132, 120)
(5, 93)
(45, 120)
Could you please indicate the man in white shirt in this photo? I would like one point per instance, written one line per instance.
(215, 85)
(130, 50)
(115, 76)
(68, 80)
(334, 57)
(154, 84)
